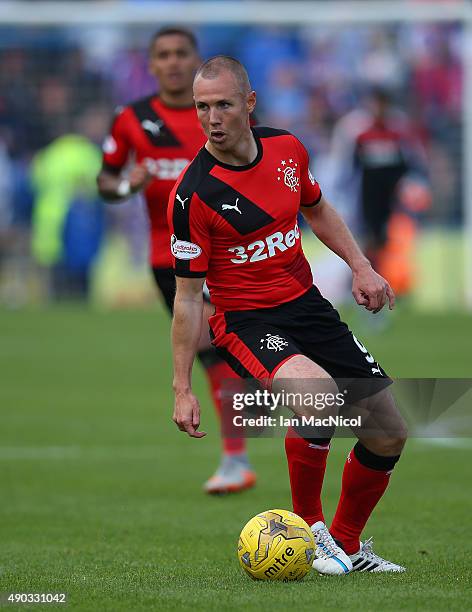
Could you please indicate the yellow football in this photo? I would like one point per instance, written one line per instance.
(276, 545)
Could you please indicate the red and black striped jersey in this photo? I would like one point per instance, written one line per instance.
(237, 225)
(163, 138)
(382, 145)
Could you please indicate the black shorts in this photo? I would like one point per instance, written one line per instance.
(256, 343)
(165, 281)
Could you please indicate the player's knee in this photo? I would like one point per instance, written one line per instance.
(392, 431)
(397, 445)
(391, 445)
(323, 400)
(398, 436)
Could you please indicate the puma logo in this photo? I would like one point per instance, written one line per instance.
(154, 127)
(181, 201)
(230, 207)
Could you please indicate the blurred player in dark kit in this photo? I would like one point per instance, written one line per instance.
(381, 158)
(158, 136)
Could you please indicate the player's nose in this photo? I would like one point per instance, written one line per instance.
(215, 117)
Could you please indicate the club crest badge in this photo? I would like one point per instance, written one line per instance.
(273, 342)
(288, 173)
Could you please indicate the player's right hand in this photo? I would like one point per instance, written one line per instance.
(187, 414)
(139, 177)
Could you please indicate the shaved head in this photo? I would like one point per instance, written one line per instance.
(215, 66)
(224, 100)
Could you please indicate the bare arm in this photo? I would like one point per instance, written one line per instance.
(368, 288)
(115, 187)
(186, 329)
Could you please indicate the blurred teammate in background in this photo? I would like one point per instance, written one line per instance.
(161, 134)
(382, 159)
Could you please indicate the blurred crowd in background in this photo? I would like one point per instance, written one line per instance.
(59, 87)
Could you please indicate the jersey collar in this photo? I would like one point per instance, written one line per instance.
(254, 162)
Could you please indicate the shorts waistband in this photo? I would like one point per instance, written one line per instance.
(271, 309)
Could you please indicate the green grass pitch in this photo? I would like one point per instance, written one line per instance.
(101, 495)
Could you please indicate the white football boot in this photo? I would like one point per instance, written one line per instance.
(330, 559)
(234, 475)
(367, 561)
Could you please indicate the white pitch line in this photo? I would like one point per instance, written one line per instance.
(14, 453)
(458, 443)
(74, 453)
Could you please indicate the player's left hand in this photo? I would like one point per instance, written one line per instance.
(371, 290)
(139, 177)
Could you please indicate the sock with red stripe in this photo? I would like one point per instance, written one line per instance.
(365, 479)
(217, 372)
(306, 467)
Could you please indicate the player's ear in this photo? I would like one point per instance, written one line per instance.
(251, 101)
